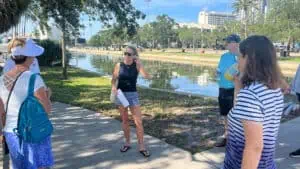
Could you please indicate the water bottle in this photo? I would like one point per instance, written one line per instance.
(231, 72)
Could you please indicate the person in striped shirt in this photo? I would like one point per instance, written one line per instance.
(253, 122)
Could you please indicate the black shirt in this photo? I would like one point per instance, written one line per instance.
(128, 75)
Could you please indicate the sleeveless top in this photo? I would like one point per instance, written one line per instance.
(128, 75)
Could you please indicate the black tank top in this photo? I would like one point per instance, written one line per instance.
(128, 75)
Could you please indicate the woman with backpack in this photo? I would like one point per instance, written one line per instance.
(14, 90)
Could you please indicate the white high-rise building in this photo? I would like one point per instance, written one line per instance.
(214, 18)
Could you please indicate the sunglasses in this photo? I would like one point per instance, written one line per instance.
(128, 54)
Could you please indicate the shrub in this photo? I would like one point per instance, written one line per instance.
(52, 52)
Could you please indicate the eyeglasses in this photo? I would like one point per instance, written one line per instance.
(128, 54)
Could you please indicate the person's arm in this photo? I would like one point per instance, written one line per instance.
(253, 144)
(237, 87)
(285, 87)
(114, 78)
(43, 97)
(142, 70)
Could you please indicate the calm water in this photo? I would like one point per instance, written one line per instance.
(167, 76)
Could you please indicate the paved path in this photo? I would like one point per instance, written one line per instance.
(84, 139)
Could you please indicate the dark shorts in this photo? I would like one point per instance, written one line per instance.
(298, 96)
(225, 98)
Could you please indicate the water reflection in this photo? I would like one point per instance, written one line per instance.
(168, 76)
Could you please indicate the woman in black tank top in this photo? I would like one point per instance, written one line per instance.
(127, 73)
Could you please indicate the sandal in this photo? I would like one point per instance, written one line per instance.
(145, 153)
(125, 148)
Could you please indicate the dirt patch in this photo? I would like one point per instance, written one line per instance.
(195, 128)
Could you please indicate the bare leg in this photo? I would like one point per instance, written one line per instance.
(137, 116)
(125, 124)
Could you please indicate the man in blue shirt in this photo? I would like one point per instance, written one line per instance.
(226, 86)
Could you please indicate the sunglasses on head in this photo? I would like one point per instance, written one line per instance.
(128, 54)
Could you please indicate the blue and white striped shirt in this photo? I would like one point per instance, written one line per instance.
(260, 104)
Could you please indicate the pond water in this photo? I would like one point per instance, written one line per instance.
(195, 80)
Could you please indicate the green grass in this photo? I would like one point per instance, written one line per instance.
(92, 91)
(291, 59)
(193, 54)
(163, 113)
(192, 123)
(82, 88)
(197, 54)
(174, 53)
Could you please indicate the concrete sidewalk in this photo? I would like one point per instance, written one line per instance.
(84, 139)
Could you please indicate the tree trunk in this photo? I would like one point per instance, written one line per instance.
(194, 43)
(246, 34)
(183, 46)
(120, 47)
(152, 45)
(288, 47)
(64, 60)
(24, 26)
(246, 23)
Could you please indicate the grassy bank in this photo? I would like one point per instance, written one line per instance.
(191, 123)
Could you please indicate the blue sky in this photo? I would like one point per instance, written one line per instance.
(180, 10)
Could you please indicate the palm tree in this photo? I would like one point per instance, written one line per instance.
(10, 12)
(244, 7)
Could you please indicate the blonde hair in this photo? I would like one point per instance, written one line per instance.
(134, 49)
(15, 42)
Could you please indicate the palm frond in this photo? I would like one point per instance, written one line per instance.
(10, 12)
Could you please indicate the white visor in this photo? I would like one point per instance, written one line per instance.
(30, 49)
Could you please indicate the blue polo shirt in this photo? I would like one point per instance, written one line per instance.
(226, 61)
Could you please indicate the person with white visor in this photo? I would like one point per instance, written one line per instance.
(10, 64)
(13, 92)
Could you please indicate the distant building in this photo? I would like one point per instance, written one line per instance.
(214, 18)
(209, 20)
